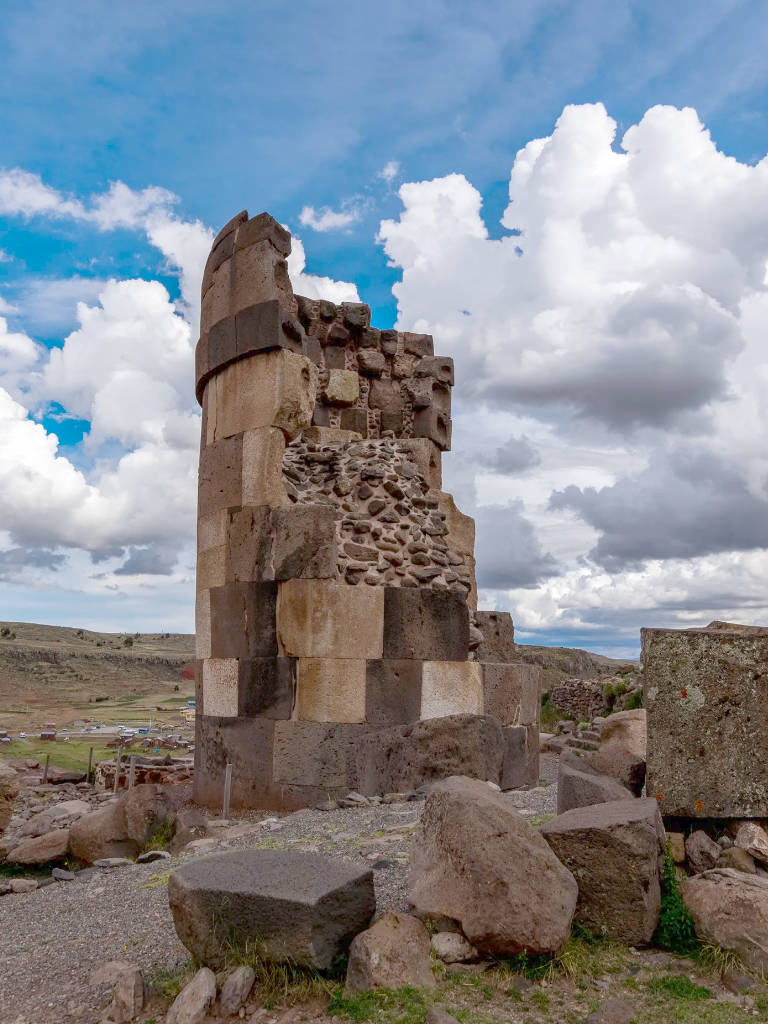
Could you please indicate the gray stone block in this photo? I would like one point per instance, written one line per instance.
(392, 692)
(579, 785)
(243, 620)
(498, 636)
(221, 475)
(511, 692)
(265, 326)
(322, 754)
(303, 542)
(263, 226)
(354, 419)
(440, 368)
(418, 344)
(299, 908)
(247, 744)
(222, 347)
(267, 687)
(434, 424)
(428, 625)
(521, 757)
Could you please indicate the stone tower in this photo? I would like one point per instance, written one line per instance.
(338, 642)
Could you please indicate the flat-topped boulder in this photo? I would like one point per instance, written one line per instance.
(298, 907)
(581, 785)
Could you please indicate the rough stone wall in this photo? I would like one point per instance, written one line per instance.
(706, 695)
(335, 583)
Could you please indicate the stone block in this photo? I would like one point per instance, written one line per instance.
(511, 693)
(418, 344)
(434, 424)
(706, 691)
(221, 687)
(222, 347)
(220, 476)
(230, 227)
(202, 365)
(259, 273)
(215, 304)
(265, 326)
(356, 315)
(580, 785)
(262, 467)
(243, 620)
(335, 358)
(405, 757)
(386, 395)
(393, 953)
(392, 692)
(248, 544)
(312, 349)
(354, 419)
(388, 341)
(439, 368)
(428, 460)
(246, 743)
(330, 435)
(319, 754)
(264, 227)
(321, 416)
(331, 690)
(212, 530)
(343, 387)
(299, 908)
(498, 636)
(267, 687)
(212, 568)
(371, 362)
(303, 542)
(203, 625)
(461, 539)
(451, 688)
(521, 757)
(429, 625)
(274, 389)
(613, 850)
(321, 619)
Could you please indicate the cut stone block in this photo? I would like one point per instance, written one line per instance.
(212, 530)
(216, 303)
(343, 387)
(264, 227)
(318, 754)
(266, 326)
(356, 420)
(300, 908)
(425, 624)
(263, 482)
(418, 344)
(273, 389)
(331, 690)
(246, 743)
(438, 367)
(451, 688)
(259, 273)
(220, 477)
(221, 687)
(330, 435)
(211, 568)
(303, 542)
(203, 624)
(248, 543)
(613, 851)
(511, 693)
(428, 459)
(321, 619)
(521, 757)
(705, 692)
(434, 424)
(580, 785)
(267, 687)
(498, 636)
(243, 620)
(392, 692)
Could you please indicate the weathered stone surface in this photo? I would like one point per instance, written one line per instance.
(321, 619)
(127, 996)
(613, 1011)
(754, 839)
(730, 910)
(221, 475)
(453, 948)
(406, 757)
(392, 692)
(521, 757)
(41, 849)
(613, 851)
(430, 625)
(451, 688)
(243, 620)
(61, 815)
(676, 845)
(701, 851)
(343, 387)
(580, 785)
(738, 859)
(498, 636)
(331, 690)
(511, 693)
(262, 467)
(146, 808)
(221, 687)
(300, 907)
(9, 788)
(477, 860)
(303, 543)
(235, 990)
(246, 743)
(623, 748)
(705, 690)
(195, 1000)
(390, 954)
(101, 834)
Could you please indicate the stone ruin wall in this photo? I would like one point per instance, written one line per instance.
(336, 596)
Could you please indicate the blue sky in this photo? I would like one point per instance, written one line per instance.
(337, 109)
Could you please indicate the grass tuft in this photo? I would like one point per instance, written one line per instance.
(677, 986)
(676, 931)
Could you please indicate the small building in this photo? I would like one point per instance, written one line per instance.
(48, 734)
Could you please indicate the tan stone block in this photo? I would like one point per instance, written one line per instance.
(216, 301)
(427, 456)
(212, 568)
(263, 450)
(203, 624)
(273, 389)
(331, 690)
(460, 538)
(212, 530)
(343, 387)
(330, 435)
(323, 619)
(221, 687)
(260, 273)
(451, 688)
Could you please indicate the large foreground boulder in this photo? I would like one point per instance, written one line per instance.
(622, 751)
(41, 849)
(393, 952)
(478, 861)
(730, 910)
(296, 907)
(581, 785)
(101, 834)
(613, 850)
(9, 788)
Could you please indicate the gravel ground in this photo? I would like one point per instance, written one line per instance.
(50, 939)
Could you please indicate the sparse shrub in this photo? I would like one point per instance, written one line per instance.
(635, 700)
(128, 642)
(161, 837)
(676, 930)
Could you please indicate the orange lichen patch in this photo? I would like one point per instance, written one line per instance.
(659, 797)
(683, 693)
(699, 806)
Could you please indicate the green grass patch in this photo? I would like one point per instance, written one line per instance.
(676, 930)
(161, 837)
(399, 1006)
(677, 986)
(158, 879)
(71, 755)
(167, 983)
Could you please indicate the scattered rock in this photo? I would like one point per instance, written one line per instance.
(612, 1011)
(437, 1016)
(41, 849)
(195, 999)
(736, 981)
(392, 953)
(235, 990)
(61, 875)
(61, 815)
(152, 855)
(477, 860)
(453, 948)
(9, 788)
(738, 859)
(580, 785)
(622, 751)
(108, 863)
(613, 851)
(676, 844)
(20, 885)
(146, 808)
(702, 852)
(301, 907)
(754, 839)
(127, 996)
(101, 834)
(730, 910)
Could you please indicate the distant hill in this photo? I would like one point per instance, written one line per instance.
(570, 662)
(59, 669)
